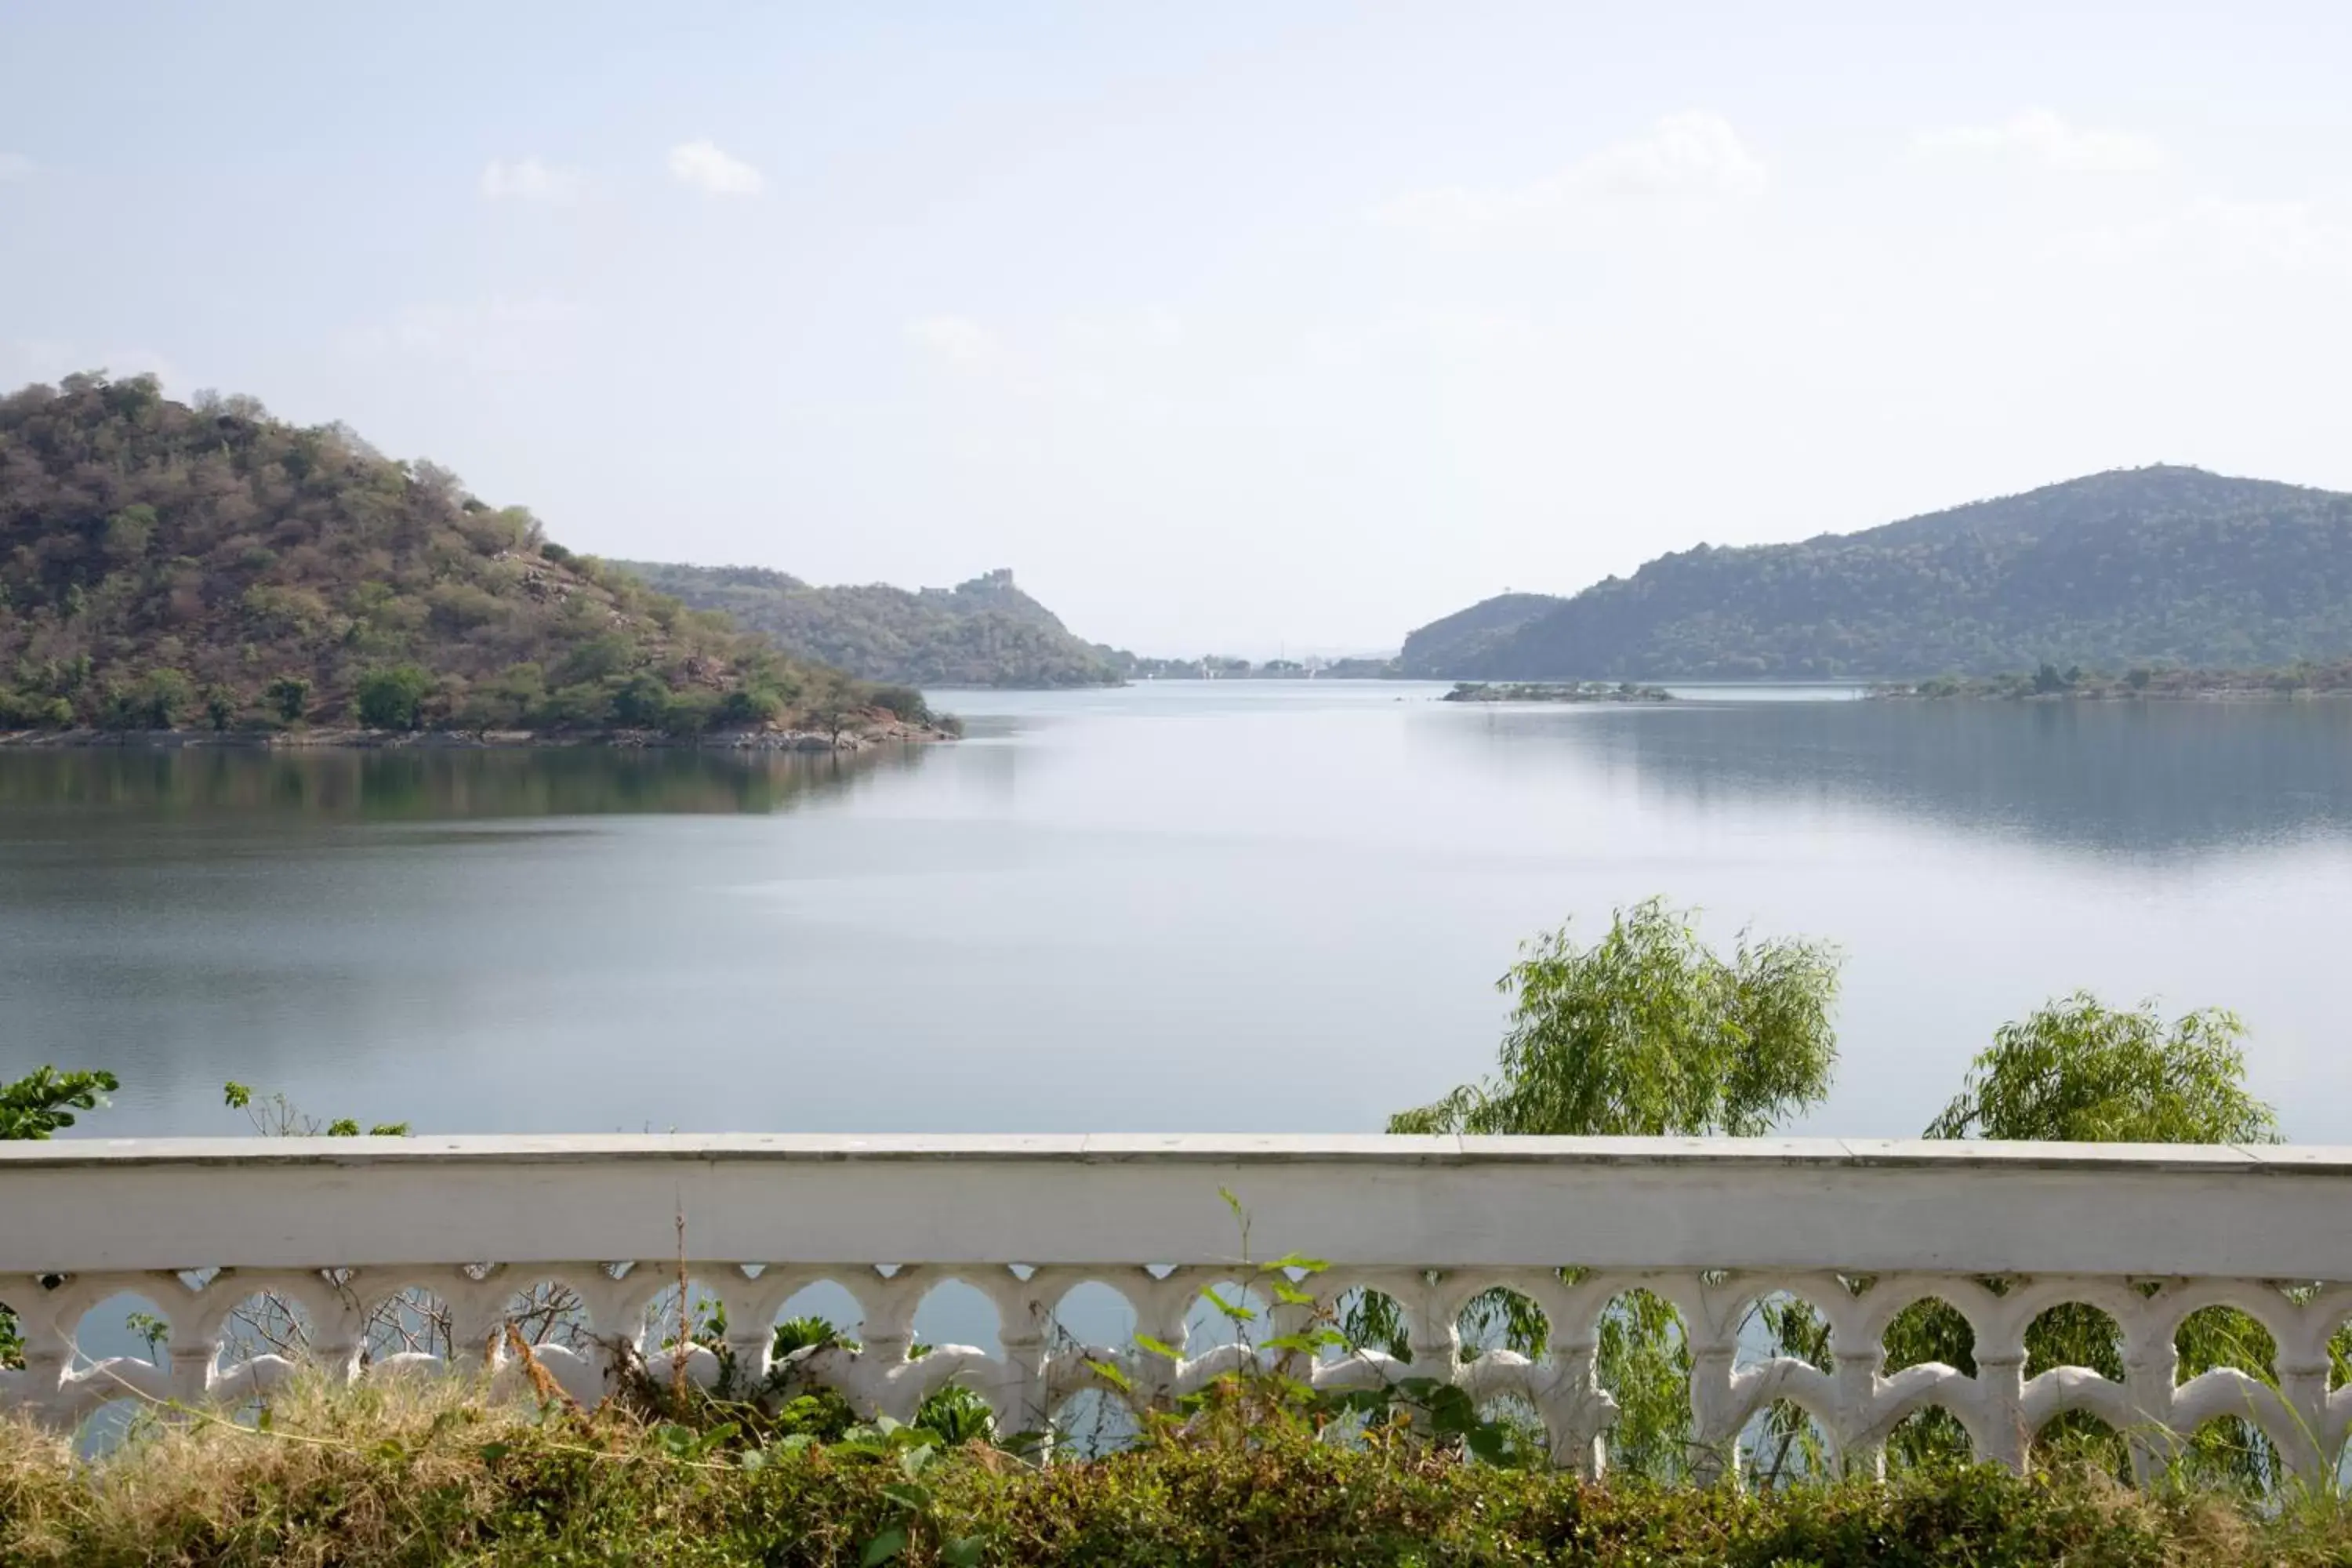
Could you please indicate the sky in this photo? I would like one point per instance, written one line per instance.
(1244, 327)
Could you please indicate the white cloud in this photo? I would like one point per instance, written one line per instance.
(1687, 166)
(2039, 136)
(529, 180)
(958, 339)
(704, 166)
(15, 166)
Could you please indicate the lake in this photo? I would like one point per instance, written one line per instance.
(1244, 906)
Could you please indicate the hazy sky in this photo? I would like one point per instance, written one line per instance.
(1226, 326)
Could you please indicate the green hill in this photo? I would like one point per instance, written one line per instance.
(1460, 639)
(986, 632)
(164, 565)
(2138, 567)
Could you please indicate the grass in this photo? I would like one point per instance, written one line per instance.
(413, 1471)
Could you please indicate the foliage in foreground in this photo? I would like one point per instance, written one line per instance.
(416, 1473)
(1649, 1033)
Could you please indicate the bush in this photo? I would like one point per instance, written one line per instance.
(584, 705)
(642, 702)
(751, 708)
(393, 698)
(407, 1472)
(220, 708)
(288, 696)
(689, 713)
(156, 701)
(904, 703)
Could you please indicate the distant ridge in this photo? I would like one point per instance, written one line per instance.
(2136, 567)
(983, 632)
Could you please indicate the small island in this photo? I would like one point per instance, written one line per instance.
(1554, 691)
(2140, 683)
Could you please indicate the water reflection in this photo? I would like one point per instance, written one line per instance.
(2148, 778)
(1139, 910)
(417, 785)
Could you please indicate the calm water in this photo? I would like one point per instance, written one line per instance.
(1243, 907)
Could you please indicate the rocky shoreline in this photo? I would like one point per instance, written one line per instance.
(895, 732)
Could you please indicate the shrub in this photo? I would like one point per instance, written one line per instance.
(750, 708)
(393, 698)
(690, 712)
(288, 696)
(642, 702)
(409, 1472)
(156, 701)
(220, 707)
(903, 702)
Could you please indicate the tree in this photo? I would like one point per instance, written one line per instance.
(156, 701)
(288, 696)
(1650, 1033)
(32, 1107)
(393, 698)
(2078, 1072)
(35, 1106)
(1647, 1033)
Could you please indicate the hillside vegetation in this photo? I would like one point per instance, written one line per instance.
(985, 632)
(2145, 567)
(166, 565)
(1464, 637)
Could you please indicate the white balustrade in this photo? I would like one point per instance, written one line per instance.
(1859, 1229)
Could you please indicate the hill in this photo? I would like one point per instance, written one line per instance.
(986, 632)
(167, 565)
(1460, 639)
(2137, 567)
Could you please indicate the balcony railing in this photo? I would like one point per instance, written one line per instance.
(330, 1230)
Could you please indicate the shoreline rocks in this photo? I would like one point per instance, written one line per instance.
(893, 733)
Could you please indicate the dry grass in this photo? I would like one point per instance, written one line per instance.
(184, 1489)
(420, 1470)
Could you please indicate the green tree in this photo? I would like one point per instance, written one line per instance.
(35, 1106)
(220, 707)
(2078, 1072)
(393, 698)
(1648, 1032)
(751, 708)
(289, 696)
(156, 701)
(32, 1107)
